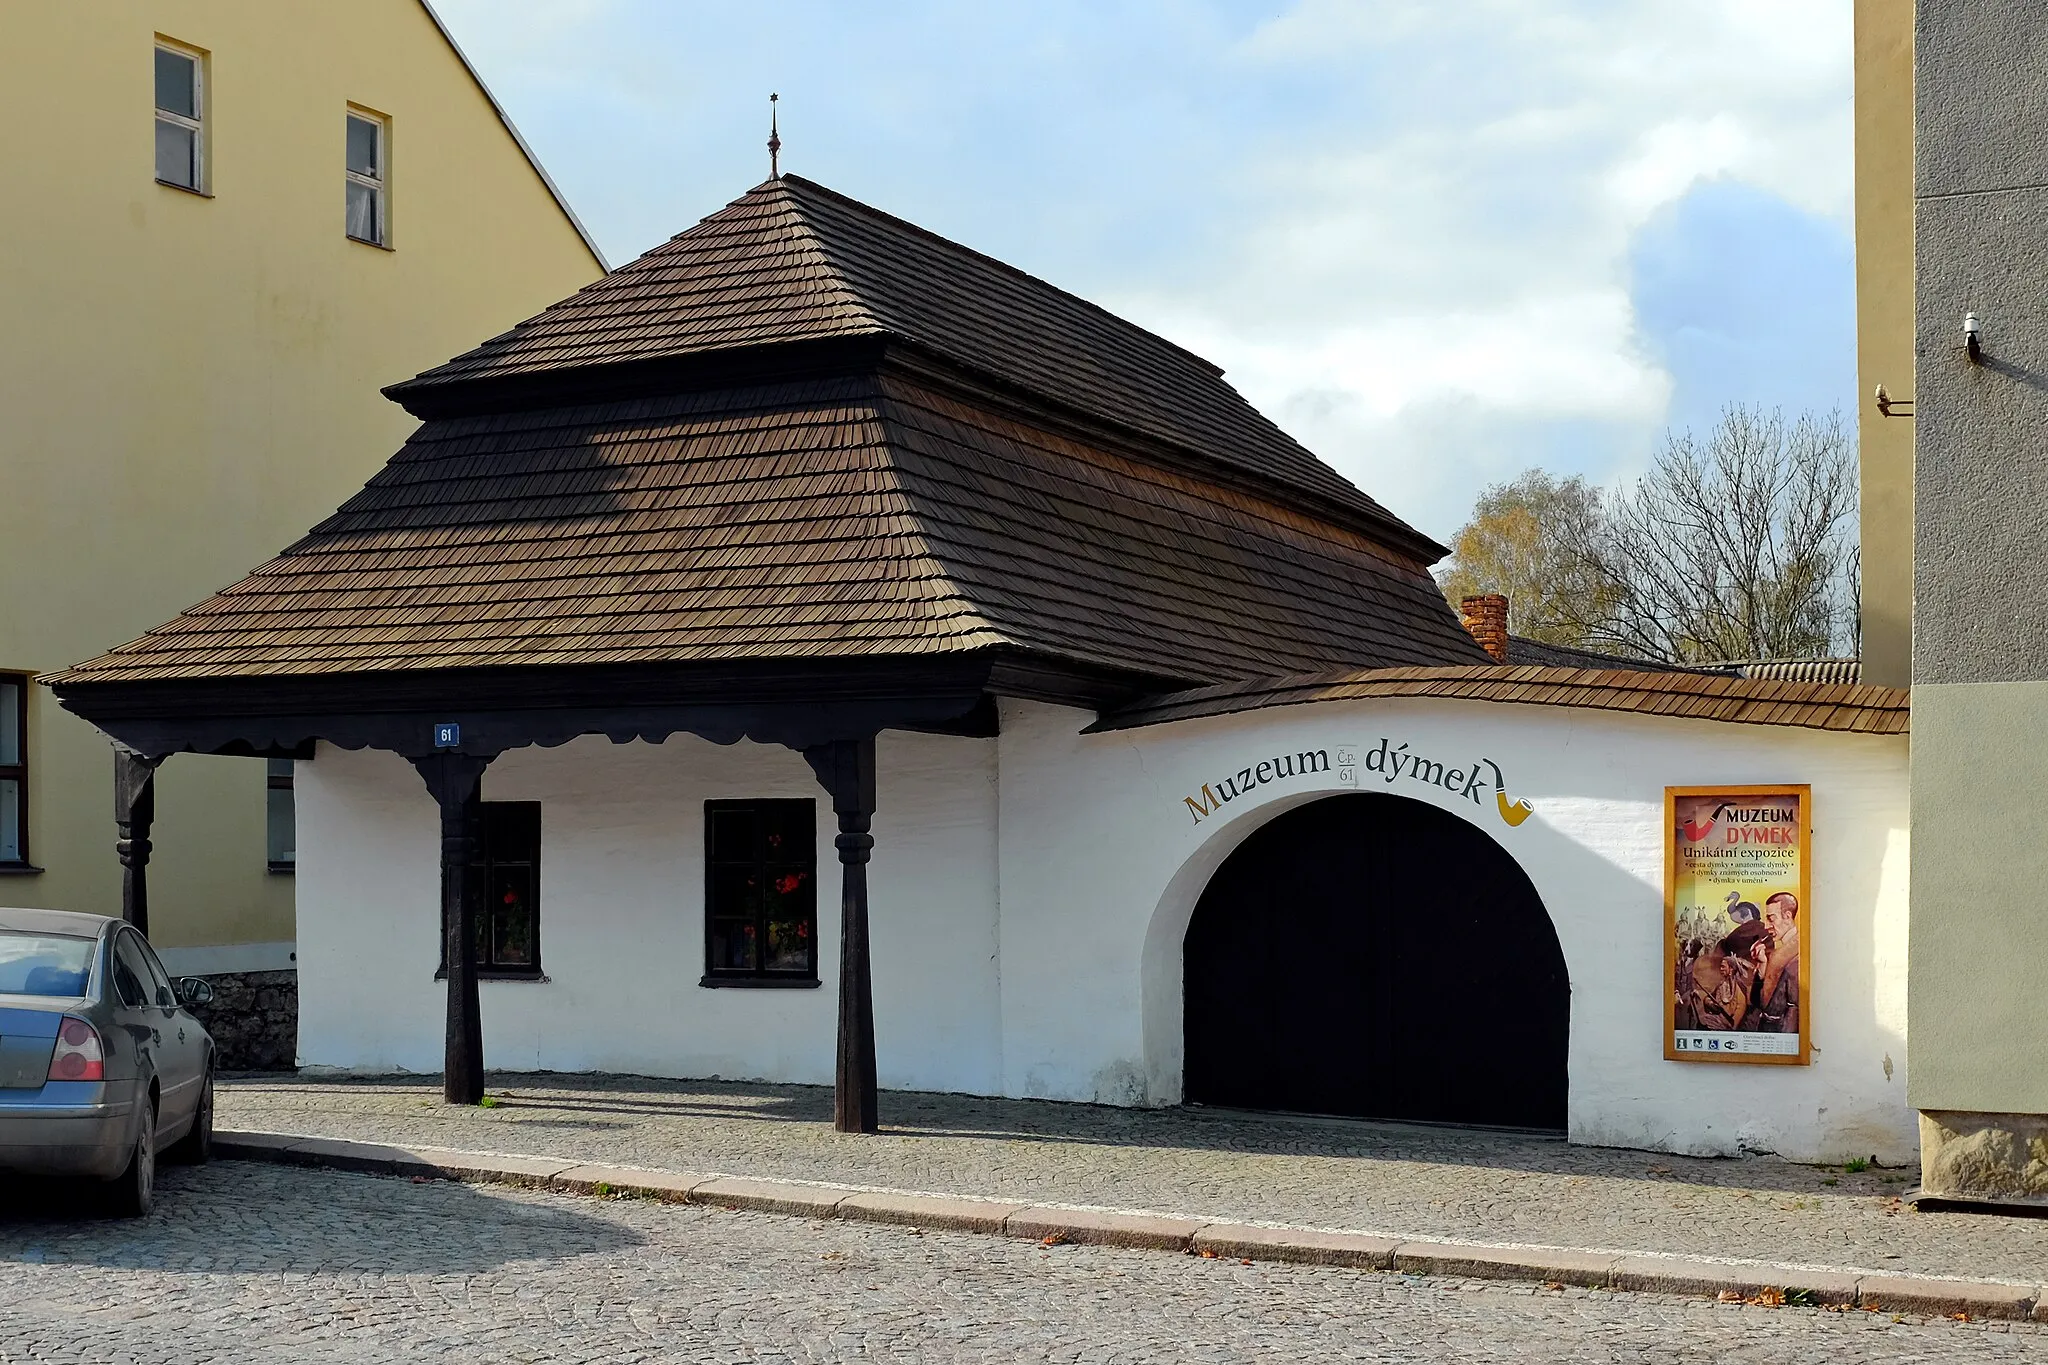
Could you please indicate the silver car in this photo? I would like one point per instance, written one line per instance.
(101, 1065)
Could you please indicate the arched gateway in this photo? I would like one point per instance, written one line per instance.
(1374, 956)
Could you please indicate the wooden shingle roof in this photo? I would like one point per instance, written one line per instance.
(792, 261)
(1858, 708)
(846, 516)
(1032, 478)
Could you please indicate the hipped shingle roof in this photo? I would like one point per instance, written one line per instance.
(901, 509)
(791, 261)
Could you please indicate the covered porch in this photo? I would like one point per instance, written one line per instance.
(451, 728)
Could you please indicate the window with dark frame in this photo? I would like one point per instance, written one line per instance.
(180, 119)
(14, 771)
(280, 817)
(760, 893)
(504, 888)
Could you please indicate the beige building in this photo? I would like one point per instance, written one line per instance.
(229, 224)
(1884, 331)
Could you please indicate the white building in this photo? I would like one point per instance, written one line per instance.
(1181, 781)
(1031, 894)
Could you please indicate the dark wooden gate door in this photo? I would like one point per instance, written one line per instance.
(1374, 956)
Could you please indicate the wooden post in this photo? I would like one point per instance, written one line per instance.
(456, 781)
(134, 813)
(846, 768)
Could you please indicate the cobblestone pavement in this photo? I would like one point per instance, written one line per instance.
(1405, 1181)
(256, 1264)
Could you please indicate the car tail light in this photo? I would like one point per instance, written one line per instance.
(79, 1056)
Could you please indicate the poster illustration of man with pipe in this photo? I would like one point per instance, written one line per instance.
(1736, 905)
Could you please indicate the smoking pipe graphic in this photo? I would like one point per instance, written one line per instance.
(1696, 830)
(1514, 812)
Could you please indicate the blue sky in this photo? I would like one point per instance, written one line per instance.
(1438, 240)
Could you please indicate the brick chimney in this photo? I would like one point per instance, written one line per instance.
(1486, 616)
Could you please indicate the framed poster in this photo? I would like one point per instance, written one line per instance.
(1737, 931)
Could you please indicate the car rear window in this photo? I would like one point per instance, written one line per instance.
(43, 964)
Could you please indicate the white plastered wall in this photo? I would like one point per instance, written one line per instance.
(622, 928)
(1072, 989)
(1091, 934)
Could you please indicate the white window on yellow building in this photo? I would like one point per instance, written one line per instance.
(180, 118)
(368, 208)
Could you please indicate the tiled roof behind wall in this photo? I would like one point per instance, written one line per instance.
(1695, 696)
(856, 516)
(1795, 670)
(1540, 653)
(793, 261)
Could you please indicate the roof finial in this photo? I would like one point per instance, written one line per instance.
(774, 141)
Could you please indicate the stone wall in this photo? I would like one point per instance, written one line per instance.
(254, 1020)
(2001, 1157)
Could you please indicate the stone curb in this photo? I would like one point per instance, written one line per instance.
(1914, 1295)
(1103, 1227)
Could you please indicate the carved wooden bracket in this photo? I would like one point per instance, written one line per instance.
(134, 813)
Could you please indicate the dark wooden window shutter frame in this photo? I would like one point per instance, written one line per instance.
(280, 816)
(760, 892)
(17, 773)
(504, 883)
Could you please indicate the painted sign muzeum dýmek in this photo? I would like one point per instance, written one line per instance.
(1349, 765)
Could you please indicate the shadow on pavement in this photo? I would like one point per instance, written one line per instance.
(563, 1101)
(244, 1218)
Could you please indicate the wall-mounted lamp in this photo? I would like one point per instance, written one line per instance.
(1888, 406)
(1971, 340)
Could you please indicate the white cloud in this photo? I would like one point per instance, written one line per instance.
(1467, 243)
(1402, 226)
(1479, 355)
(1670, 158)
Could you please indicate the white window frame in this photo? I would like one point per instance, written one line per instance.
(201, 163)
(379, 185)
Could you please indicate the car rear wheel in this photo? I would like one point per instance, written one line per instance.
(133, 1192)
(196, 1146)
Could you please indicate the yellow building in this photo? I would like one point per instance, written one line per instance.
(1884, 331)
(228, 225)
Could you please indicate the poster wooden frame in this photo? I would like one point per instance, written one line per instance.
(1804, 791)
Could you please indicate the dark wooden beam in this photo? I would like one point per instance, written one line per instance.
(767, 370)
(134, 813)
(846, 768)
(985, 721)
(796, 703)
(456, 781)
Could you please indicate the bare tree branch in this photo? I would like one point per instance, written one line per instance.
(1741, 545)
